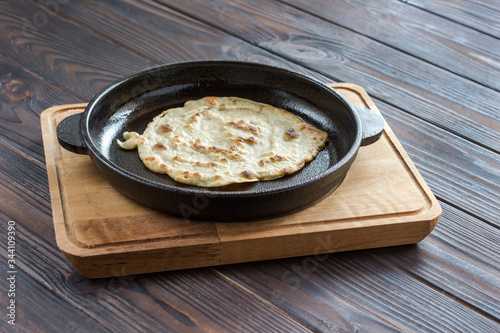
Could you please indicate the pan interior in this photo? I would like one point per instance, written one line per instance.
(131, 104)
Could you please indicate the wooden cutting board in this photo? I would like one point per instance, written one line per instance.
(382, 202)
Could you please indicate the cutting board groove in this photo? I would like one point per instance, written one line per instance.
(383, 201)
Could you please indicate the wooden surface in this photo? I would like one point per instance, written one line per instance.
(432, 69)
(382, 202)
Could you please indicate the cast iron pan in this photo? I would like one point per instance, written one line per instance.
(131, 103)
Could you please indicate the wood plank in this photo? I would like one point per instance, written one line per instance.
(192, 300)
(448, 45)
(23, 96)
(178, 38)
(356, 292)
(61, 52)
(410, 121)
(154, 32)
(482, 15)
(35, 306)
(428, 92)
(457, 171)
(192, 34)
(96, 28)
(17, 175)
(447, 261)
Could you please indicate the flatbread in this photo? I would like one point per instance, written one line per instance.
(217, 141)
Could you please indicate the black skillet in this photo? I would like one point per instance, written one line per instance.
(129, 104)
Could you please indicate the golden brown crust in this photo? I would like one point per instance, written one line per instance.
(165, 128)
(160, 145)
(248, 174)
(291, 133)
(241, 124)
(195, 117)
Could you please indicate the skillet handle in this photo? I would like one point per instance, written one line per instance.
(372, 125)
(69, 134)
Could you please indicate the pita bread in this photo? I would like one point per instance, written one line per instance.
(216, 141)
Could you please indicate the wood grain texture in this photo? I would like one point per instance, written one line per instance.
(481, 15)
(328, 290)
(23, 96)
(154, 32)
(463, 174)
(448, 45)
(190, 35)
(477, 257)
(83, 69)
(43, 302)
(446, 283)
(428, 92)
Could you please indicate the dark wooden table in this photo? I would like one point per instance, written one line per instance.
(432, 68)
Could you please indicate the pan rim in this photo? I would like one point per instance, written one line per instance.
(220, 192)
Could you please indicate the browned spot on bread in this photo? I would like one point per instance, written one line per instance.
(310, 128)
(229, 153)
(160, 146)
(250, 140)
(248, 174)
(165, 128)
(241, 124)
(287, 170)
(290, 134)
(194, 118)
(211, 100)
(206, 164)
(275, 158)
(302, 162)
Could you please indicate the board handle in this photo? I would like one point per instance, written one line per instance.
(372, 125)
(69, 134)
